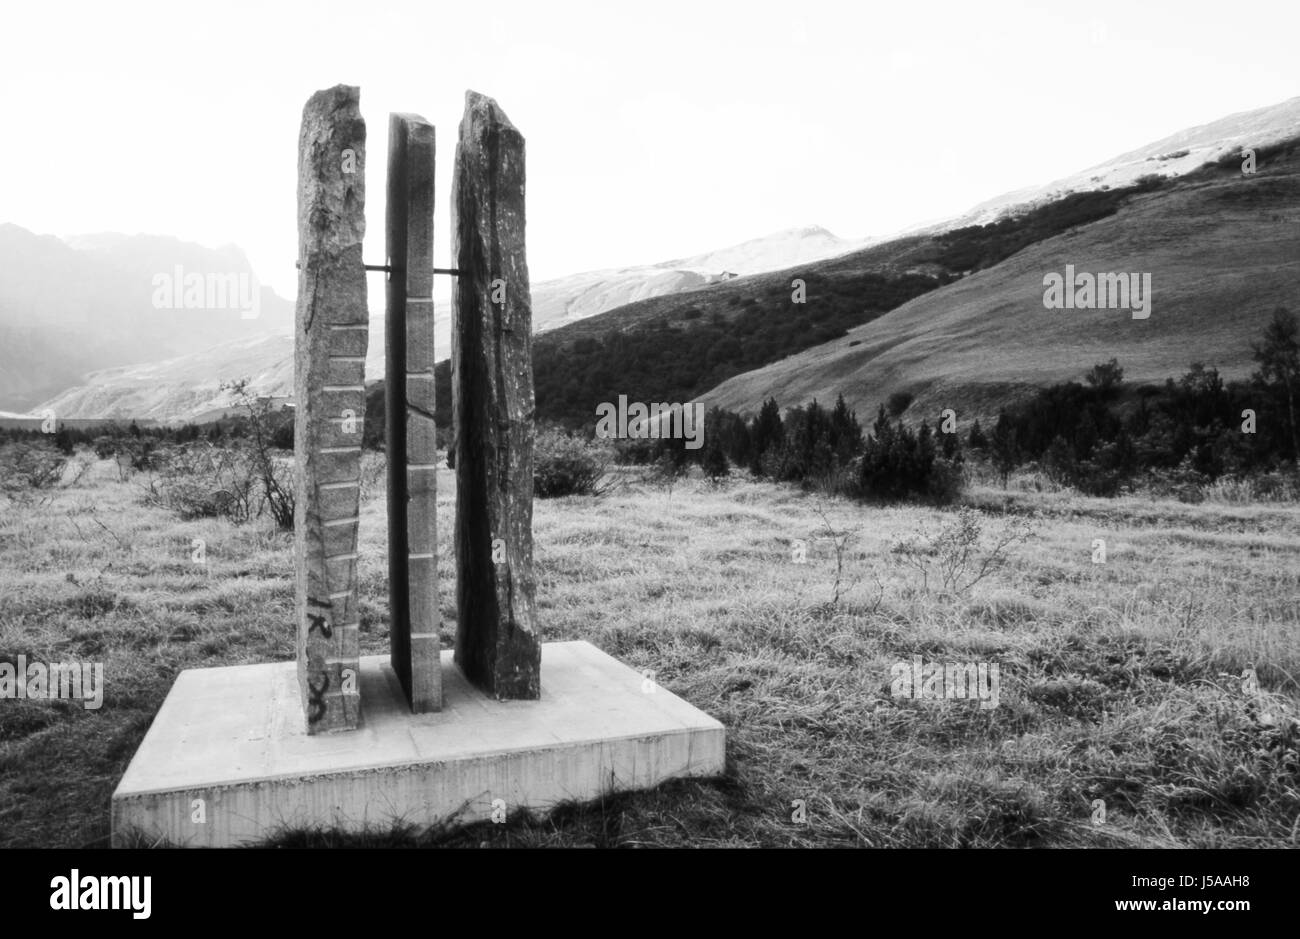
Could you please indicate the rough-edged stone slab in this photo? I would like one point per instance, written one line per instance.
(329, 348)
(497, 642)
(411, 434)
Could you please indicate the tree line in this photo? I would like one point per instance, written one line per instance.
(1098, 435)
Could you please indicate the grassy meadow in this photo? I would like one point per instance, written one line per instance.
(1120, 681)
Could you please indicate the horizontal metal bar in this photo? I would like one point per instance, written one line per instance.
(388, 270)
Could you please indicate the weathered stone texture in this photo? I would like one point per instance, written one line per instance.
(331, 324)
(497, 641)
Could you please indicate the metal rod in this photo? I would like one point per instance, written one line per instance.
(388, 270)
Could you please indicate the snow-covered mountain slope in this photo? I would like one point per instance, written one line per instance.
(556, 302)
(1174, 155)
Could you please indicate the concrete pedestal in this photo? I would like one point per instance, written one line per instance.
(230, 747)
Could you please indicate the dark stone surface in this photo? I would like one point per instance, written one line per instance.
(497, 639)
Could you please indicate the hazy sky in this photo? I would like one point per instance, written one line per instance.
(655, 130)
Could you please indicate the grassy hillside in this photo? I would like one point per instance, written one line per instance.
(1223, 251)
(676, 347)
(1118, 681)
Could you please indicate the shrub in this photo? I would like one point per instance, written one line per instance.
(565, 465)
(141, 453)
(282, 433)
(106, 447)
(203, 481)
(666, 471)
(963, 552)
(899, 402)
(25, 466)
(899, 463)
(1184, 483)
(274, 476)
(715, 463)
(946, 482)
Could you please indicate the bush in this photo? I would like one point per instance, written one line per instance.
(203, 481)
(25, 466)
(106, 447)
(138, 453)
(715, 463)
(899, 402)
(282, 432)
(964, 551)
(273, 475)
(1184, 483)
(565, 465)
(946, 482)
(899, 463)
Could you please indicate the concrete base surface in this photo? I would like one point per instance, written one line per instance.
(228, 760)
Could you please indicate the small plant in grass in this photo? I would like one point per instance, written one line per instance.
(840, 541)
(962, 553)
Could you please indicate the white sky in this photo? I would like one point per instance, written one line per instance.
(655, 130)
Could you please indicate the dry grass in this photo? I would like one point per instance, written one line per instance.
(1119, 681)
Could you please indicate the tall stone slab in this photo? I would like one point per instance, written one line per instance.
(497, 642)
(330, 342)
(412, 441)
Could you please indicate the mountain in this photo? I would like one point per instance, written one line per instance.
(1222, 249)
(732, 344)
(566, 299)
(1175, 155)
(675, 348)
(688, 328)
(187, 387)
(181, 387)
(187, 383)
(92, 302)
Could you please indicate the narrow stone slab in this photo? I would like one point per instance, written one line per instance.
(498, 645)
(331, 323)
(231, 743)
(411, 434)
